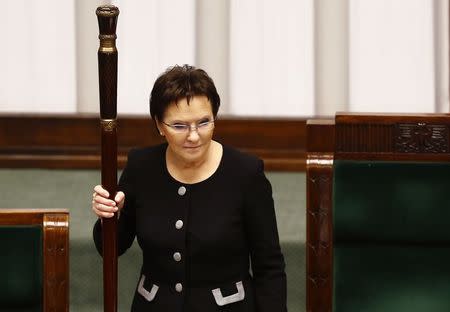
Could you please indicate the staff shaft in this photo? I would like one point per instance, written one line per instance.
(107, 70)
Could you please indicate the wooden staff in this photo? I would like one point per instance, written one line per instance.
(107, 71)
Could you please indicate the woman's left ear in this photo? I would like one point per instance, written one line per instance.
(158, 126)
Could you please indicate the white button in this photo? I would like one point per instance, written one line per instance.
(181, 191)
(177, 256)
(179, 224)
(178, 287)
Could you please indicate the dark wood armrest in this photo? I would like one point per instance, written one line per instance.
(55, 229)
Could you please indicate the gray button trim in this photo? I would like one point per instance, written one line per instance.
(179, 224)
(179, 287)
(148, 295)
(181, 191)
(177, 256)
(221, 300)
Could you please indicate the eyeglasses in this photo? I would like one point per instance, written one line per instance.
(200, 127)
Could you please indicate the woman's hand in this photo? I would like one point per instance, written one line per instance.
(104, 207)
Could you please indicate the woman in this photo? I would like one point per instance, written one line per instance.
(200, 211)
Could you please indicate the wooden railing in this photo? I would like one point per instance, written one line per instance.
(73, 141)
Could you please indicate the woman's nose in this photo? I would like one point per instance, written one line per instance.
(193, 135)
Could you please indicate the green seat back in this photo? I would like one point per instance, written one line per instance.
(391, 229)
(21, 266)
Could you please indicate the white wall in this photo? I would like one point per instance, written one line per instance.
(86, 54)
(268, 57)
(37, 56)
(331, 56)
(441, 54)
(152, 35)
(213, 44)
(392, 56)
(271, 57)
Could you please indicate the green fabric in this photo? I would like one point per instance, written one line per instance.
(69, 188)
(385, 201)
(21, 265)
(382, 278)
(391, 230)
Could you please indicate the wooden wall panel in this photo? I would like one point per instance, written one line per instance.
(412, 137)
(73, 141)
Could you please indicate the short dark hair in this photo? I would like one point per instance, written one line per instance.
(180, 82)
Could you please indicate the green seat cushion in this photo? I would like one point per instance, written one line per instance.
(391, 278)
(387, 201)
(21, 265)
(391, 232)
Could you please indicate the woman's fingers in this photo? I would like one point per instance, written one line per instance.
(102, 210)
(103, 206)
(100, 195)
(120, 199)
(119, 196)
(102, 200)
(104, 214)
(98, 189)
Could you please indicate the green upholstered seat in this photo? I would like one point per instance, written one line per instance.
(21, 265)
(391, 228)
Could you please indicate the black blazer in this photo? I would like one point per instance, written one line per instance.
(197, 238)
